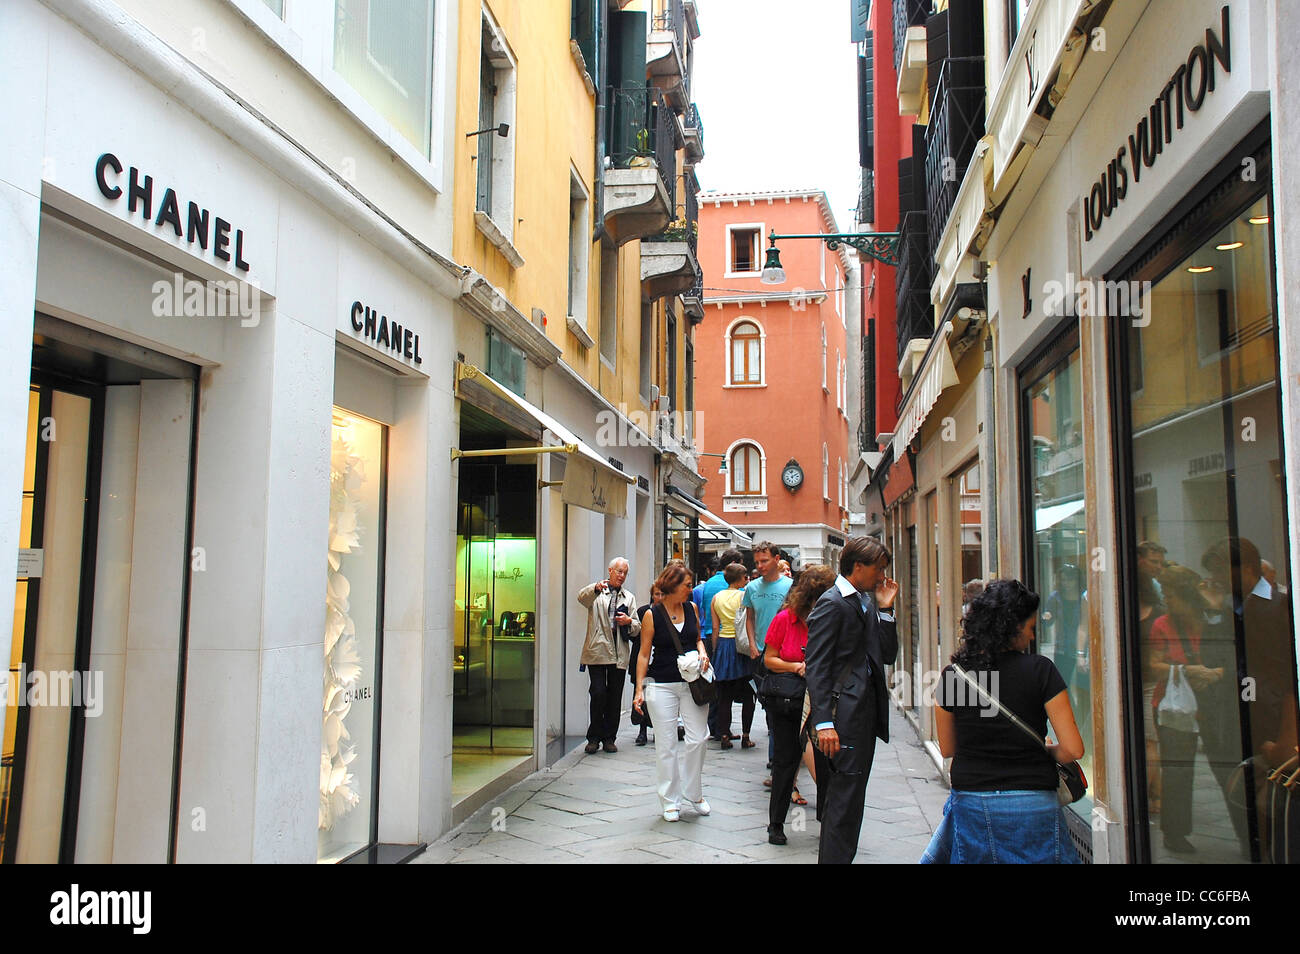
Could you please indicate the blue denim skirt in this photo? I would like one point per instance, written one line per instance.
(1010, 828)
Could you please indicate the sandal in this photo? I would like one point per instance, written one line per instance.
(767, 782)
(745, 743)
(726, 742)
(797, 799)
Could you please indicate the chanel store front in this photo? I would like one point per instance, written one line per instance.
(225, 469)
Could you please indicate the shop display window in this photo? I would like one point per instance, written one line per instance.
(352, 641)
(1056, 526)
(1210, 615)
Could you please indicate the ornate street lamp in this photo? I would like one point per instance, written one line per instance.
(882, 246)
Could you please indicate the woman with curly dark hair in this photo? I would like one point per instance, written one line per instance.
(1003, 806)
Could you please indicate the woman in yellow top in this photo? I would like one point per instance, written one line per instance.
(733, 670)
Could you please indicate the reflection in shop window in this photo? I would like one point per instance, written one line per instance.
(1210, 550)
(1059, 557)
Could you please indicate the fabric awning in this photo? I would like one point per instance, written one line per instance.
(1047, 517)
(938, 374)
(738, 536)
(590, 481)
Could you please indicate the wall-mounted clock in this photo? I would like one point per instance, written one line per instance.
(792, 475)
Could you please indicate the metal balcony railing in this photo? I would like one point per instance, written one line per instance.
(641, 127)
(867, 196)
(670, 16)
(691, 120)
(907, 13)
(912, 286)
(956, 125)
(685, 228)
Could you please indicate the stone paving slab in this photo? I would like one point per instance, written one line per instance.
(603, 808)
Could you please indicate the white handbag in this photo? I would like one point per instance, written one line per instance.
(1177, 710)
(742, 633)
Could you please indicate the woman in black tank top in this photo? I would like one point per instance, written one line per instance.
(660, 687)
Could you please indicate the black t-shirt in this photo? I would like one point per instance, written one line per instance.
(663, 654)
(993, 754)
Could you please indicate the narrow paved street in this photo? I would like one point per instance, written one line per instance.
(602, 808)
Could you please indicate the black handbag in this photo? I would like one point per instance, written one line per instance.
(703, 691)
(782, 693)
(1071, 783)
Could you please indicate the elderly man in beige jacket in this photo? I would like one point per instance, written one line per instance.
(612, 627)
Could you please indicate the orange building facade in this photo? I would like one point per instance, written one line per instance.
(771, 372)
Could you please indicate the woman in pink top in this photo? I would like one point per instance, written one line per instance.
(787, 640)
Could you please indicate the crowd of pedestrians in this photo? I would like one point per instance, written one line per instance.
(813, 651)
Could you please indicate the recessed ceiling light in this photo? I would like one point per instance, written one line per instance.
(1258, 220)
(1200, 269)
(1229, 246)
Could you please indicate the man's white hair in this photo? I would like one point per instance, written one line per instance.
(622, 560)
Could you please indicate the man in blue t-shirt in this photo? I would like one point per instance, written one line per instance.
(762, 600)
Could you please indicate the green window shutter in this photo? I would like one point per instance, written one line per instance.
(584, 30)
(629, 102)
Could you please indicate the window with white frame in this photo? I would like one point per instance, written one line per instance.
(744, 243)
(745, 350)
(745, 470)
(824, 388)
(494, 155)
(826, 473)
(839, 381)
(579, 249)
(839, 482)
(385, 52)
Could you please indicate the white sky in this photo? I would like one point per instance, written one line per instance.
(775, 82)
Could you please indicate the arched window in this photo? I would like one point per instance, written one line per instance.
(746, 470)
(746, 354)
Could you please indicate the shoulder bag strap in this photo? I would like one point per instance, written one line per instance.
(672, 630)
(1015, 719)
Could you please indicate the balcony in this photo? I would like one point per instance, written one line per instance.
(638, 184)
(667, 53)
(956, 125)
(912, 284)
(910, 52)
(907, 14)
(866, 213)
(669, 262)
(693, 134)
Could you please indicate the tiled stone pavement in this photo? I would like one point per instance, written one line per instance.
(603, 809)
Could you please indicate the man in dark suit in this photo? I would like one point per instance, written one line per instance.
(851, 638)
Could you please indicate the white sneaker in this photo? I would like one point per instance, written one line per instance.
(702, 806)
(672, 814)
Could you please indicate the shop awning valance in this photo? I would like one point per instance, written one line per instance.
(938, 374)
(590, 481)
(738, 537)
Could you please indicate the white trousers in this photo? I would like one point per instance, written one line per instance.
(680, 761)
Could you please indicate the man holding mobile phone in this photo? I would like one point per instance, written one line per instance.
(851, 638)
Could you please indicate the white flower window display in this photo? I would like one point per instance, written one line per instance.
(338, 795)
